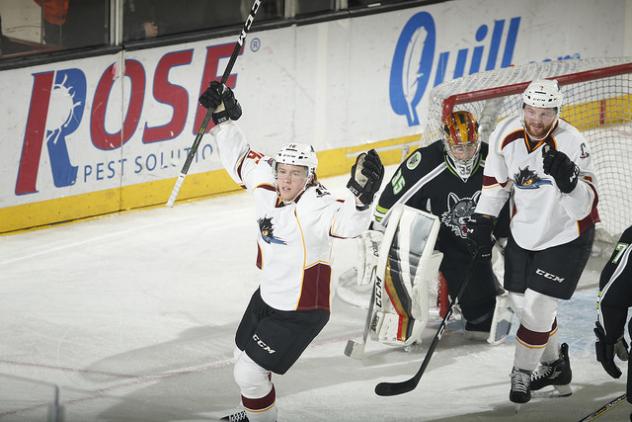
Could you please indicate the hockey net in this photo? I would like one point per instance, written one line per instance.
(597, 100)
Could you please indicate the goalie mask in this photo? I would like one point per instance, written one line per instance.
(461, 141)
(541, 94)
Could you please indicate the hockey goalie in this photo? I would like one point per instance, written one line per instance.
(401, 267)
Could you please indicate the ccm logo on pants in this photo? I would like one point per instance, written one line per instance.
(549, 275)
(261, 344)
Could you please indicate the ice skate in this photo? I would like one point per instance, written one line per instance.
(520, 386)
(238, 416)
(557, 373)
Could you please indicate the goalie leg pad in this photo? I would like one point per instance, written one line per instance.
(401, 291)
(369, 248)
(502, 320)
(386, 328)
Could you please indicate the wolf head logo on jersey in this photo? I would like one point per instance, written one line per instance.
(529, 179)
(459, 212)
(267, 231)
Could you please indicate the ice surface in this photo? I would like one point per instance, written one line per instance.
(133, 315)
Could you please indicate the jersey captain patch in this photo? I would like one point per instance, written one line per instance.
(529, 179)
(267, 231)
(459, 212)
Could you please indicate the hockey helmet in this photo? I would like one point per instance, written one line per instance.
(298, 155)
(461, 141)
(543, 93)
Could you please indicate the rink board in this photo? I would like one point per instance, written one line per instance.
(109, 133)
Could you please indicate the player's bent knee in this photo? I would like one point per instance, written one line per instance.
(252, 379)
(539, 311)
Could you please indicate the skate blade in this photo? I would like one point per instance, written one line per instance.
(517, 407)
(563, 390)
(557, 392)
(354, 349)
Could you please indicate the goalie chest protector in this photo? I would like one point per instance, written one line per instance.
(426, 180)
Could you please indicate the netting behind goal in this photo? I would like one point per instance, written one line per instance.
(597, 100)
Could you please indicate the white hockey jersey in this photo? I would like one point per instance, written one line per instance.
(541, 216)
(295, 240)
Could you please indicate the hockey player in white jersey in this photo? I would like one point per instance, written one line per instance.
(543, 163)
(297, 220)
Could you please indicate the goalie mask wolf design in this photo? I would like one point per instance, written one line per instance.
(459, 212)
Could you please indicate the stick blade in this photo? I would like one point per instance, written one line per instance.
(354, 349)
(395, 388)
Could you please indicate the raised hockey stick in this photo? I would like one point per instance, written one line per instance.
(355, 349)
(198, 138)
(603, 409)
(395, 388)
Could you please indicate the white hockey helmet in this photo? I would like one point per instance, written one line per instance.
(543, 93)
(298, 155)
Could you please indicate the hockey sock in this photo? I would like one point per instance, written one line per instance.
(529, 348)
(257, 391)
(262, 409)
(552, 350)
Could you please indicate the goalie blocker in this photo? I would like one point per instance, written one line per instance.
(407, 264)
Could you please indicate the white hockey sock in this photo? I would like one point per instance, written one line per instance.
(527, 357)
(536, 320)
(267, 415)
(257, 391)
(552, 350)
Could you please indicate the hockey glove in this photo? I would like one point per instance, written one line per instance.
(561, 168)
(479, 234)
(366, 177)
(606, 350)
(221, 99)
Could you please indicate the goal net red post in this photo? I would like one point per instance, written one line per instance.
(597, 101)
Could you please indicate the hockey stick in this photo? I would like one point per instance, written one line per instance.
(198, 138)
(355, 349)
(395, 388)
(603, 409)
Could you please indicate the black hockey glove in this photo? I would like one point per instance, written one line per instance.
(221, 99)
(606, 351)
(366, 176)
(479, 234)
(563, 170)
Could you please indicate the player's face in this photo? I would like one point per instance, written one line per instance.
(538, 121)
(461, 151)
(290, 180)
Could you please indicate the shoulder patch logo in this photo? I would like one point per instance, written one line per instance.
(267, 231)
(413, 161)
(584, 151)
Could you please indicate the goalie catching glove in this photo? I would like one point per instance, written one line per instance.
(366, 177)
(222, 101)
(606, 350)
